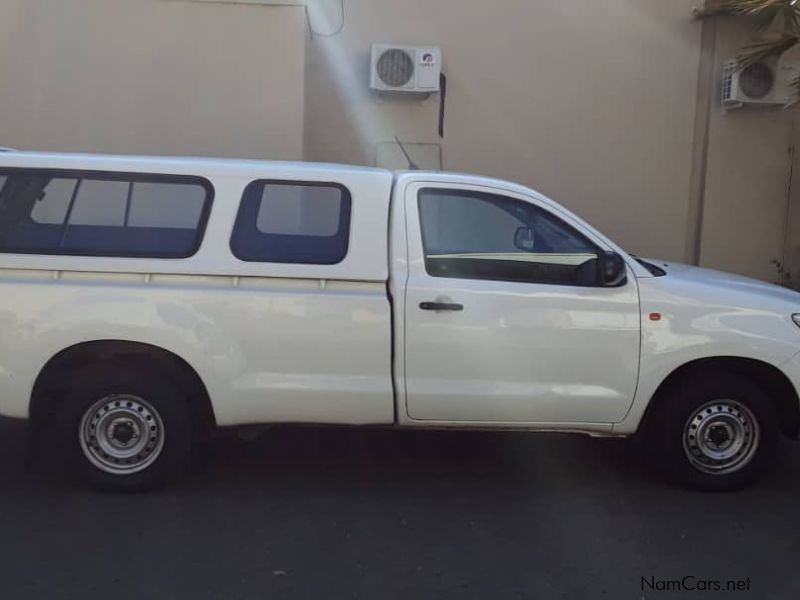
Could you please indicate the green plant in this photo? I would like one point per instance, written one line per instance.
(777, 22)
(785, 275)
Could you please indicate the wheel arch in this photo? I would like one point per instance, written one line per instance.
(52, 380)
(770, 379)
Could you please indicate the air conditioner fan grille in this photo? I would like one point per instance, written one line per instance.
(757, 81)
(395, 68)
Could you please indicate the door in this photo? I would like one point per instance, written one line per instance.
(505, 320)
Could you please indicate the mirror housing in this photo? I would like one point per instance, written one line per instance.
(611, 270)
(524, 240)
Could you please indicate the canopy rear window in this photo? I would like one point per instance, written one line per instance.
(102, 214)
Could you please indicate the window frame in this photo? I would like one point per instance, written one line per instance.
(344, 225)
(126, 177)
(473, 193)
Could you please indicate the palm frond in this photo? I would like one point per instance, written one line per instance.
(777, 20)
(766, 49)
(716, 8)
(781, 15)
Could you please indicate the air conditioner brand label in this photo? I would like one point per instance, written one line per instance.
(427, 59)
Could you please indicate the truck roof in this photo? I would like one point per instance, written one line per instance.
(200, 165)
(127, 162)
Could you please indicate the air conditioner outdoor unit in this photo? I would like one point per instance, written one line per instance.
(765, 83)
(410, 69)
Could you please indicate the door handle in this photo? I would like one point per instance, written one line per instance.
(437, 306)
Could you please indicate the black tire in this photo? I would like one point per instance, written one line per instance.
(729, 403)
(151, 401)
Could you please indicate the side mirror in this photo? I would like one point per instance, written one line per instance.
(524, 240)
(612, 270)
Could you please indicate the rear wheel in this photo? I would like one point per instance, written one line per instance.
(125, 429)
(716, 432)
(121, 434)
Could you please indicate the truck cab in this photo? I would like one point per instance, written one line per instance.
(498, 330)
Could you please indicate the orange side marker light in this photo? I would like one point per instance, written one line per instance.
(655, 316)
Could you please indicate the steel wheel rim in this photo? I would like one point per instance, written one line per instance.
(121, 434)
(721, 437)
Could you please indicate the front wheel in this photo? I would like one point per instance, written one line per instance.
(125, 429)
(716, 432)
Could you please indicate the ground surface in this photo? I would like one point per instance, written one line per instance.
(326, 513)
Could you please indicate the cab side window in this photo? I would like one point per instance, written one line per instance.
(474, 235)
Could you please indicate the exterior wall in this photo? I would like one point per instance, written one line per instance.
(598, 109)
(744, 219)
(594, 107)
(152, 77)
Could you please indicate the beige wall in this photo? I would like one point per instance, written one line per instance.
(591, 105)
(746, 193)
(596, 107)
(152, 77)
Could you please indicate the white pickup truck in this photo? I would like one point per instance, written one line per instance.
(145, 301)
